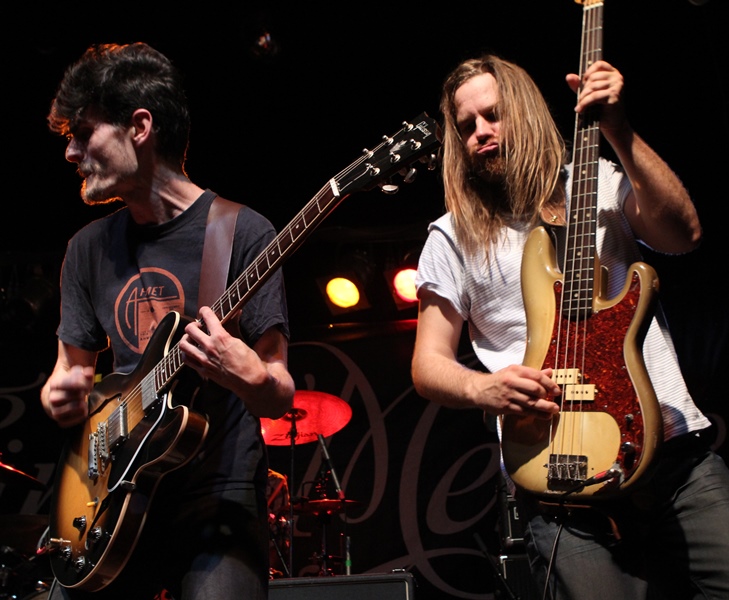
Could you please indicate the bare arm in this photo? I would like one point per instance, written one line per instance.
(659, 210)
(258, 375)
(438, 376)
(64, 395)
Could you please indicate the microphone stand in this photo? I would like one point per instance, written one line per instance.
(335, 479)
(293, 433)
(341, 497)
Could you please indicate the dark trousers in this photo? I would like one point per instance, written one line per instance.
(668, 540)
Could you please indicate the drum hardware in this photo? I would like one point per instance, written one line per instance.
(313, 416)
(277, 499)
(22, 565)
(322, 508)
(24, 568)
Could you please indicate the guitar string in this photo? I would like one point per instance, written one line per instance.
(570, 440)
(584, 295)
(588, 292)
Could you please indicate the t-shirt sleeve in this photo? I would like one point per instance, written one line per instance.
(79, 325)
(267, 307)
(441, 269)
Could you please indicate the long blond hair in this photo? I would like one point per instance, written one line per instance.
(532, 147)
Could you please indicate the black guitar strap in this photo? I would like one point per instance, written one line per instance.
(217, 249)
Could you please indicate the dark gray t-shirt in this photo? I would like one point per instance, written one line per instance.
(119, 279)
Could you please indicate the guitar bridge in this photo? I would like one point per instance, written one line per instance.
(108, 435)
(97, 439)
(565, 470)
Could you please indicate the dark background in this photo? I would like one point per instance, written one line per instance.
(270, 128)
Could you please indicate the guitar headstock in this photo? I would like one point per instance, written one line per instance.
(417, 140)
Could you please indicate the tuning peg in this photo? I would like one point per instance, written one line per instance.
(389, 188)
(410, 175)
(431, 160)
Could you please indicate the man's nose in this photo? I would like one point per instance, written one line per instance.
(484, 128)
(73, 151)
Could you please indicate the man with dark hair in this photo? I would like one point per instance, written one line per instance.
(205, 534)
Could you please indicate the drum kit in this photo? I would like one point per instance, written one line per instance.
(313, 416)
(24, 570)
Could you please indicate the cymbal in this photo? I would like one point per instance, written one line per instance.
(15, 476)
(313, 414)
(321, 506)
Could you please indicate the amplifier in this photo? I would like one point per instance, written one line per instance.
(386, 586)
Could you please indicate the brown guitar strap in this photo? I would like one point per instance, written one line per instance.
(217, 249)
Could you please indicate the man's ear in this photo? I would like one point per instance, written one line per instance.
(141, 126)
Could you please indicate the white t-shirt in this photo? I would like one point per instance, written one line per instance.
(489, 297)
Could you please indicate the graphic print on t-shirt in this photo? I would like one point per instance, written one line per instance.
(143, 302)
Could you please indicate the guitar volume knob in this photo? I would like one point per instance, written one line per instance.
(80, 523)
(79, 563)
(95, 534)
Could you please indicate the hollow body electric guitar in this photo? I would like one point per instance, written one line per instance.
(110, 469)
(609, 426)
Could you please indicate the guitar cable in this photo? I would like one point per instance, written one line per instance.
(613, 472)
(552, 557)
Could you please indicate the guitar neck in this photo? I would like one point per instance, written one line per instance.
(252, 278)
(580, 255)
(415, 141)
(285, 243)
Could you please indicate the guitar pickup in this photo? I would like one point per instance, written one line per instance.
(579, 393)
(566, 376)
(573, 390)
(115, 431)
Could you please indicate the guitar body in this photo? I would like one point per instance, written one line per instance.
(610, 417)
(102, 494)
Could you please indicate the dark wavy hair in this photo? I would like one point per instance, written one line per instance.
(115, 80)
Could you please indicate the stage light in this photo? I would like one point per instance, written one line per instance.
(370, 276)
(403, 284)
(344, 286)
(342, 292)
(400, 277)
